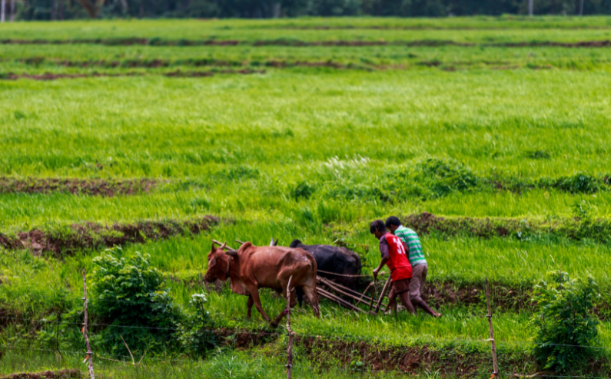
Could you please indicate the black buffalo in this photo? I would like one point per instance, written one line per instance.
(333, 259)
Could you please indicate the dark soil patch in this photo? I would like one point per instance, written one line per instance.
(244, 339)
(49, 374)
(452, 361)
(576, 229)
(298, 43)
(178, 73)
(54, 76)
(96, 236)
(91, 187)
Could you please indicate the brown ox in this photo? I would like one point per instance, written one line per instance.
(254, 267)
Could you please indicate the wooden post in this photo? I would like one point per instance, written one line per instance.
(290, 333)
(492, 339)
(382, 294)
(89, 353)
(530, 5)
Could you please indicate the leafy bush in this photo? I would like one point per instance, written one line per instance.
(128, 291)
(578, 183)
(446, 175)
(565, 326)
(197, 337)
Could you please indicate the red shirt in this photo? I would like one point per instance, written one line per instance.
(398, 260)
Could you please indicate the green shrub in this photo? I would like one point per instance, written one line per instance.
(565, 327)
(196, 336)
(129, 292)
(578, 183)
(302, 190)
(445, 175)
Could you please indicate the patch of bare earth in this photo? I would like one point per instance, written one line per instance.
(91, 187)
(49, 374)
(193, 74)
(96, 236)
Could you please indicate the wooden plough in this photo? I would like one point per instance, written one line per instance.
(356, 296)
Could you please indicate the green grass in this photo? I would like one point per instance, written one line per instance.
(309, 153)
(497, 29)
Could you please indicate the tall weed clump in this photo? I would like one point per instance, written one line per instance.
(129, 297)
(566, 329)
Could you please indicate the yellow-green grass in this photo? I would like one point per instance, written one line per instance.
(163, 127)
(238, 147)
(495, 29)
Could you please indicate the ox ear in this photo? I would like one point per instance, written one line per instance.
(212, 263)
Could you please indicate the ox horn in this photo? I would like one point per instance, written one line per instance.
(231, 252)
(273, 243)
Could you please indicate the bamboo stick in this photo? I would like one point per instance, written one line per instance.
(382, 294)
(289, 331)
(85, 323)
(492, 339)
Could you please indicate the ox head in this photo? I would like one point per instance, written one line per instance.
(219, 263)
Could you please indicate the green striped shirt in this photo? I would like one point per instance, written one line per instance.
(411, 239)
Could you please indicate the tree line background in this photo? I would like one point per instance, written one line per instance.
(78, 9)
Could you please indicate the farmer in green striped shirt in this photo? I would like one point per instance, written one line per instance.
(417, 261)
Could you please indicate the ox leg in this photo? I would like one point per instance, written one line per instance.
(249, 306)
(255, 296)
(311, 294)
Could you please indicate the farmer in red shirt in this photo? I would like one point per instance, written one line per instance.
(393, 253)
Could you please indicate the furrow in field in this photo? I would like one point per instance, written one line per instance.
(576, 229)
(299, 43)
(95, 236)
(90, 187)
(177, 73)
(88, 235)
(155, 63)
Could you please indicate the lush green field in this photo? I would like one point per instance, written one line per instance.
(317, 143)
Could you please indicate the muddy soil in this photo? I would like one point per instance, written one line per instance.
(49, 374)
(90, 187)
(427, 223)
(193, 74)
(96, 236)
(458, 361)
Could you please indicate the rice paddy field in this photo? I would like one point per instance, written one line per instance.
(488, 136)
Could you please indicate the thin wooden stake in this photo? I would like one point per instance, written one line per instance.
(492, 339)
(128, 348)
(290, 333)
(89, 353)
(382, 294)
(373, 295)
